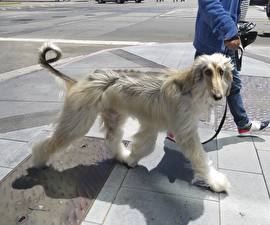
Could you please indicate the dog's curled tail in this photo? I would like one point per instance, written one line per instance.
(44, 49)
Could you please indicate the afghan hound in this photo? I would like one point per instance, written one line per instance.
(167, 100)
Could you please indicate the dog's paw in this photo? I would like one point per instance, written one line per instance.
(130, 161)
(125, 156)
(123, 153)
(215, 180)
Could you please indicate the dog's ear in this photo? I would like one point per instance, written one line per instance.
(228, 69)
(187, 80)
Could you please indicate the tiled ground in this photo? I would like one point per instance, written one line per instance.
(16, 146)
(159, 190)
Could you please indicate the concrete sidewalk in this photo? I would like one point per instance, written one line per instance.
(158, 191)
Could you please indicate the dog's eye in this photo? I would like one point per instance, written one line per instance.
(208, 72)
(220, 71)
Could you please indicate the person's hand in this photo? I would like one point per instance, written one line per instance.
(232, 44)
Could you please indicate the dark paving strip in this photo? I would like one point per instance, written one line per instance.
(258, 57)
(137, 59)
(59, 194)
(29, 120)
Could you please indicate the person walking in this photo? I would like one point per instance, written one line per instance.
(216, 31)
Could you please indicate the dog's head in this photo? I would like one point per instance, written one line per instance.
(216, 73)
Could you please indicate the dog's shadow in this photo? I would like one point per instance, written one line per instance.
(174, 202)
(80, 181)
(163, 195)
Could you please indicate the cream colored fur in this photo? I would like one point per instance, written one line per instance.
(167, 100)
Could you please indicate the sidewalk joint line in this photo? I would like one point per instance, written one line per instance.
(263, 175)
(169, 194)
(114, 196)
(11, 139)
(219, 210)
(240, 171)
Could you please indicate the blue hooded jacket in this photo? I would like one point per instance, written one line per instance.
(216, 22)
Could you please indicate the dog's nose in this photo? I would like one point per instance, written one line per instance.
(217, 97)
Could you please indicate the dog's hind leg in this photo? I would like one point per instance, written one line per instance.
(75, 120)
(191, 147)
(113, 123)
(143, 144)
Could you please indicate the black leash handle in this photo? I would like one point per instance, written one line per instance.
(238, 58)
(219, 126)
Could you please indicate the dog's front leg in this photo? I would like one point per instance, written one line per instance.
(143, 144)
(204, 171)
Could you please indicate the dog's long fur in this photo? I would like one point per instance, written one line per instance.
(169, 100)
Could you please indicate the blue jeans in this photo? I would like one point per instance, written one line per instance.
(235, 101)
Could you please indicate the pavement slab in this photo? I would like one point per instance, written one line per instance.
(36, 86)
(239, 154)
(248, 201)
(105, 198)
(249, 69)
(25, 121)
(264, 144)
(88, 223)
(4, 172)
(12, 153)
(11, 109)
(264, 157)
(171, 174)
(23, 135)
(166, 54)
(102, 60)
(133, 207)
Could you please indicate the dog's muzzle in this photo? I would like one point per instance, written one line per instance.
(217, 95)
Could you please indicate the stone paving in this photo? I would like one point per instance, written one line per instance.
(256, 97)
(158, 191)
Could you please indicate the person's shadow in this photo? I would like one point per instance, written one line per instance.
(219, 143)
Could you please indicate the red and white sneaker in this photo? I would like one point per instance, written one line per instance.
(253, 127)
